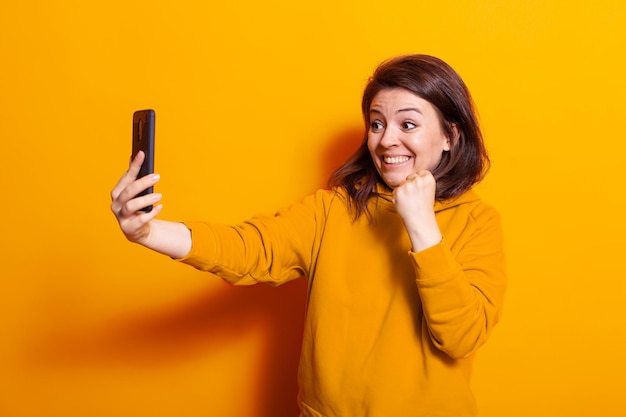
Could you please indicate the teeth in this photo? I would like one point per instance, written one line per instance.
(395, 159)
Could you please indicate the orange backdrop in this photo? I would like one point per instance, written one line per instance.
(256, 103)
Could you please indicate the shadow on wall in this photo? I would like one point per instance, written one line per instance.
(208, 322)
(211, 321)
(341, 148)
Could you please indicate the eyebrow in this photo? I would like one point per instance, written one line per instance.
(407, 109)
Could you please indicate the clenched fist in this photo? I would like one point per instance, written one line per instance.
(415, 199)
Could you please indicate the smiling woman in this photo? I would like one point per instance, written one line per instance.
(405, 135)
(402, 287)
(258, 106)
(425, 82)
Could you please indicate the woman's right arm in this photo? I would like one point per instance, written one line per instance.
(169, 238)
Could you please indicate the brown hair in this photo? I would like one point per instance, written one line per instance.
(436, 82)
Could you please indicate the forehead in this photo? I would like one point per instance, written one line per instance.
(398, 99)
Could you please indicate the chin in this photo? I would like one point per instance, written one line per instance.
(392, 182)
(396, 179)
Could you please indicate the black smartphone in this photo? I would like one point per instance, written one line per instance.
(143, 140)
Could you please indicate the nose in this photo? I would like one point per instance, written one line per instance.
(390, 138)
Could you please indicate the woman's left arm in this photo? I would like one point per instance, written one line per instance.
(461, 283)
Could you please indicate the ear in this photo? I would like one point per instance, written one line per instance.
(450, 141)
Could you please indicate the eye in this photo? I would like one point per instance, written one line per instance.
(376, 126)
(408, 125)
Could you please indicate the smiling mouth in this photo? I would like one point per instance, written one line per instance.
(395, 159)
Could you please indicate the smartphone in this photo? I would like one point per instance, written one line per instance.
(143, 140)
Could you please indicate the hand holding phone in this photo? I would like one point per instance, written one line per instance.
(143, 140)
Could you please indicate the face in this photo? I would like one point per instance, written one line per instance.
(405, 135)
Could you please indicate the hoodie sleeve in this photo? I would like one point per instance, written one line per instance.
(270, 249)
(462, 283)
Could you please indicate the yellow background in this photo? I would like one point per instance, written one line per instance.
(256, 103)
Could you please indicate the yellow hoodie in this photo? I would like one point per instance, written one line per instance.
(388, 332)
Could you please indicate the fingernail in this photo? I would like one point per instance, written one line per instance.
(156, 177)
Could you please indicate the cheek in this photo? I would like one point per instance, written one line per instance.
(435, 159)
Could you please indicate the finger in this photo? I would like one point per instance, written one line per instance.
(133, 207)
(143, 217)
(428, 178)
(135, 164)
(132, 190)
(424, 173)
(129, 176)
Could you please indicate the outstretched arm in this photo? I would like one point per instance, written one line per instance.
(169, 238)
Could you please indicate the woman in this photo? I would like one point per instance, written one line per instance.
(404, 262)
